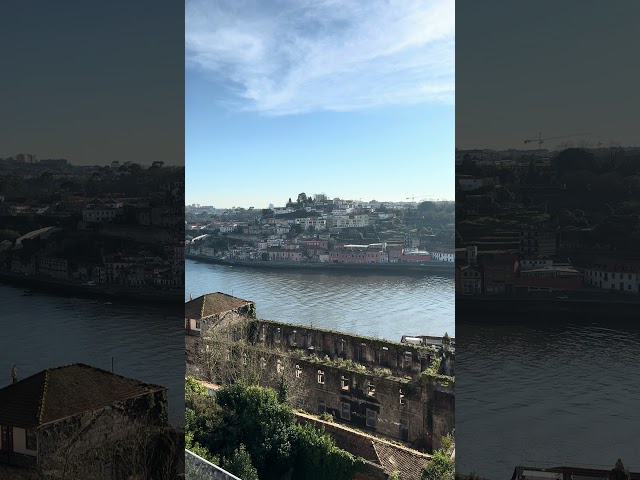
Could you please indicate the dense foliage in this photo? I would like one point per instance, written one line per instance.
(252, 434)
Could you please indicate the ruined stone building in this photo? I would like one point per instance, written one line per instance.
(65, 414)
(400, 391)
(215, 310)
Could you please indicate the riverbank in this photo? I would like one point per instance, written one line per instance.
(609, 306)
(77, 289)
(443, 269)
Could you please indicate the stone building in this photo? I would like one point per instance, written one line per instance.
(60, 414)
(215, 309)
(400, 391)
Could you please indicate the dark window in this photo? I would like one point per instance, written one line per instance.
(322, 406)
(32, 440)
(372, 418)
(345, 411)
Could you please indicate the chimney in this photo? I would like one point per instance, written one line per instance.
(191, 296)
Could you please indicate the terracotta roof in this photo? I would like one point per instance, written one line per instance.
(212, 304)
(61, 392)
(393, 459)
(408, 462)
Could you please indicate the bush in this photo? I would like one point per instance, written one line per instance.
(327, 417)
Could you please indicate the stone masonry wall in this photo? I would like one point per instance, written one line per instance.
(76, 436)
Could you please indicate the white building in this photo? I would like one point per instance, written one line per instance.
(623, 278)
(350, 221)
(443, 255)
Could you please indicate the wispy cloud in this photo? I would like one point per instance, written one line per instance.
(284, 57)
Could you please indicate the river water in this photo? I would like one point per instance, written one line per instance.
(382, 306)
(547, 392)
(43, 331)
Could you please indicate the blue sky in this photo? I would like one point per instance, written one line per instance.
(352, 99)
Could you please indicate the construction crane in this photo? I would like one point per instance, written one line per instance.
(541, 140)
(413, 197)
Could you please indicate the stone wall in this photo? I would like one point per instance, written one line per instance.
(225, 319)
(402, 358)
(374, 385)
(72, 438)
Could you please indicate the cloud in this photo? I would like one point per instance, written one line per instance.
(294, 56)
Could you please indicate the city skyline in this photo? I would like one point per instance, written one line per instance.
(319, 92)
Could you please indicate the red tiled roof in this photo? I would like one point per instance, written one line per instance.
(212, 304)
(61, 392)
(407, 463)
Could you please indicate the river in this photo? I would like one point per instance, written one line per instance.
(546, 391)
(43, 331)
(382, 306)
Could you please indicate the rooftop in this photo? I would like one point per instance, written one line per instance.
(212, 304)
(60, 392)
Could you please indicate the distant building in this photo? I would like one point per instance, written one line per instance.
(26, 158)
(614, 276)
(538, 242)
(279, 254)
(471, 280)
(444, 255)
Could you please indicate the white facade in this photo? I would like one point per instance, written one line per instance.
(606, 279)
(351, 221)
(444, 256)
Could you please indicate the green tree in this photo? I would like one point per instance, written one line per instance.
(619, 472)
(440, 467)
(253, 416)
(318, 458)
(240, 464)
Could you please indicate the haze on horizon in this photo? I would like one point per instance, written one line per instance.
(280, 202)
(93, 82)
(579, 75)
(316, 94)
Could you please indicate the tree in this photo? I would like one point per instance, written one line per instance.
(619, 472)
(573, 159)
(302, 198)
(440, 467)
(240, 464)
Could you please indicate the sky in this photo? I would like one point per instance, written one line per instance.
(93, 81)
(347, 98)
(560, 68)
